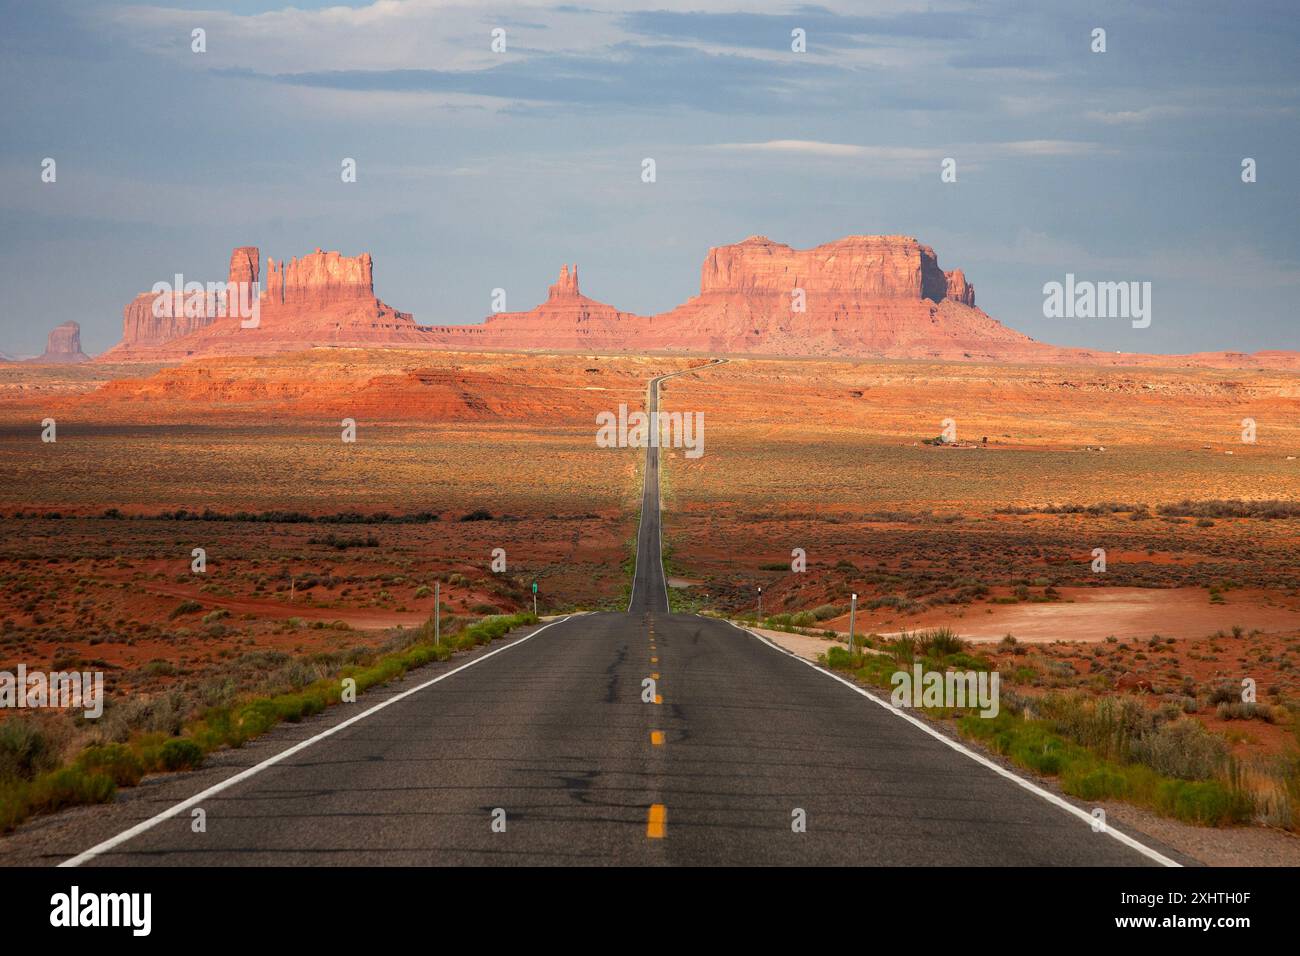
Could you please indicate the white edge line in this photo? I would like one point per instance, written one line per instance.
(184, 805)
(1033, 788)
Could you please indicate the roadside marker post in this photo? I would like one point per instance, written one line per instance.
(437, 610)
(534, 599)
(760, 605)
(853, 613)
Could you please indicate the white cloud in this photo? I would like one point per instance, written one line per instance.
(808, 147)
(1130, 117)
(975, 152)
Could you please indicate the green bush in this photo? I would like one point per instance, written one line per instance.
(117, 761)
(25, 750)
(67, 788)
(1182, 749)
(181, 754)
(185, 607)
(941, 641)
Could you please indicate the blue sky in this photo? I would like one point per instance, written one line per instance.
(479, 170)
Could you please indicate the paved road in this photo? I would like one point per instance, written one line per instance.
(553, 731)
(649, 586)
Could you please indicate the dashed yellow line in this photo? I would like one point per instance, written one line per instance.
(654, 675)
(659, 698)
(654, 660)
(657, 738)
(657, 824)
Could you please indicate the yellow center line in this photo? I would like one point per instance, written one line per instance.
(657, 823)
(657, 738)
(659, 698)
(654, 660)
(654, 675)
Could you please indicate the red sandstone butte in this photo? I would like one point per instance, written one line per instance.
(857, 297)
(63, 346)
(566, 321)
(324, 298)
(873, 296)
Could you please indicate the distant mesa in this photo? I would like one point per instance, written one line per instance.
(861, 296)
(320, 299)
(63, 346)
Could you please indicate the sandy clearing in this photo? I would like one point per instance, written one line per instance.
(1093, 614)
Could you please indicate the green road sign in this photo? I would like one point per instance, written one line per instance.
(534, 587)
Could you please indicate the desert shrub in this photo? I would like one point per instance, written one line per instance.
(1208, 803)
(1245, 710)
(117, 761)
(1224, 694)
(896, 601)
(181, 754)
(166, 713)
(342, 543)
(1107, 726)
(1231, 508)
(837, 658)
(1183, 749)
(941, 641)
(67, 788)
(185, 607)
(25, 749)
(903, 648)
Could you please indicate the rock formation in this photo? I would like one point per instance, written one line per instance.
(566, 320)
(863, 295)
(63, 346)
(860, 296)
(879, 296)
(324, 298)
(243, 265)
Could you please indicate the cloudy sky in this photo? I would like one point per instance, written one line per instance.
(478, 170)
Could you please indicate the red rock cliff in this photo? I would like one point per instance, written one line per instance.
(320, 279)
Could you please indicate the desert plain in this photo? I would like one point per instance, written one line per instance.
(318, 548)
